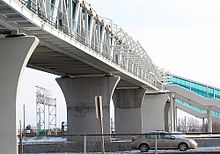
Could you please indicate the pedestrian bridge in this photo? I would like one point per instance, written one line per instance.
(77, 41)
(93, 56)
(200, 100)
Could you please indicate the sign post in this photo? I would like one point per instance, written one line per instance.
(99, 115)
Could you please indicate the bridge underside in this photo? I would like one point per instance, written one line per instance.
(96, 73)
(58, 56)
(51, 61)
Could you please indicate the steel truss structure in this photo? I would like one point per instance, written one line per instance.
(80, 20)
(45, 106)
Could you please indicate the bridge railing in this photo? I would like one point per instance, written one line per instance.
(116, 46)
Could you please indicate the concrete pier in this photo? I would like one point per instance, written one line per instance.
(209, 117)
(80, 98)
(153, 110)
(14, 55)
(128, 116)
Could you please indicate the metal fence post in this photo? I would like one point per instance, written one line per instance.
(36, 148)
(156, 144)
(84, 146)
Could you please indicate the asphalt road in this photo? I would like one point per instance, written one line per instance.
(200, 150)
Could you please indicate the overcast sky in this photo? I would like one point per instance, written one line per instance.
(181, 36)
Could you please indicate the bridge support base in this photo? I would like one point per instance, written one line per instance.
(153, 112)
(80, 98)
(14, 55)
(128, 118)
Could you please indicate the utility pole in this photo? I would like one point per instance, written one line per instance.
(24, 118)
(20, 140)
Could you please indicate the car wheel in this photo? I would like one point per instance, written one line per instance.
(182, 147)
(144, 148)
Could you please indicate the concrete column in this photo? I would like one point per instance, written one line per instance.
(128, 118)
(14, 55)
(175, 117)
(166, 116)
(172, 111)
(209, 119)
(80, 95)
(203, 124)
(153, 112)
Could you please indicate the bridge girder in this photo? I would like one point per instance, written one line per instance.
(79, 20)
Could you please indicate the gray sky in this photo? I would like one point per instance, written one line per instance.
(27, 95)
(181, 36)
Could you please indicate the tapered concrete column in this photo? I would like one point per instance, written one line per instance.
(209, 119)
(80, 95)
(128, 118)
(153, 112)
(14, 55)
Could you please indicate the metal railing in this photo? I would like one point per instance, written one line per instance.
(118, 143)
(64, 23)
